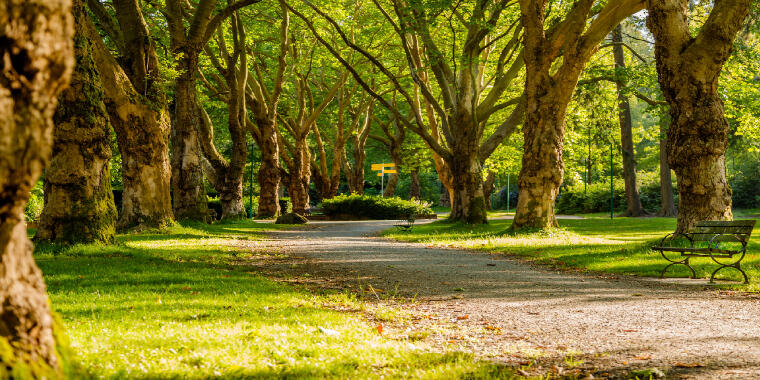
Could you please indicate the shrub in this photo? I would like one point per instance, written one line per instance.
(573, 199)
(36, 203)
(373, 207)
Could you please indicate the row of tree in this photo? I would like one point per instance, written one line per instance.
(462, 76)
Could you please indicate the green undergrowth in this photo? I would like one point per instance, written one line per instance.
(186, 304)
(620, 245)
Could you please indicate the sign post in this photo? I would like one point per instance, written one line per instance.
(383, 170)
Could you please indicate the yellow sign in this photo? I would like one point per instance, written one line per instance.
(380, 174)
(390, 171)
(377, 166)
(391, 165)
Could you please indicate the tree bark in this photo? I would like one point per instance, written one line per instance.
(269, 172)
(488, 188)
(36, 62)
(138, 112)
(667, 203)
(468, 204)
(415, 190)
(79, 206)
(632, 199)
(688, 70)
(188, 192)
(300, 177)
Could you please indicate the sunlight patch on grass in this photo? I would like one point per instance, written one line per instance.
(181, 305)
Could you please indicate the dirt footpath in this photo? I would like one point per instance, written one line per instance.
(540, 320)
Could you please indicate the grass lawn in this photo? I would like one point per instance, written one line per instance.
(184, 305)
(620, 245)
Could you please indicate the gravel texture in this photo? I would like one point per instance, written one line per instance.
(541, 321)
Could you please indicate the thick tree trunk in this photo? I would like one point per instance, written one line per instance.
(688, 70)
(188, 193)
(300, 178)
(542, 165)
(415, 190)
(667, 204)
(79, 206)
(269, 172)
(36, 52)
(632, 199)
(142, 126)
(468, 203)
(231, 197)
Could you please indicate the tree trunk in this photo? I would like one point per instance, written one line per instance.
(542, 165)
(667, 205)
(142, 126)
(632, 199)
(188, 192)
(269, 172)
(488, 187)
(468, 203)
(79, 206)
(415, 191)
(688, 70)
(300, 177)
(37, 58)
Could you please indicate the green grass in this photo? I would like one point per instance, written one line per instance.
(595, 244)
(184, 304)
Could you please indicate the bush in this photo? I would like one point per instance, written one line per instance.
(373, 207)
(573, 199)
(36, 202)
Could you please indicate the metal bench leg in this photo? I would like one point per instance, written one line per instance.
(736, 265)
(682, 262)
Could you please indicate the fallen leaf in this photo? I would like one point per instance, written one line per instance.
(463, 317)
(186, 288)
(643, 357)
(380, 328)
(630, 330)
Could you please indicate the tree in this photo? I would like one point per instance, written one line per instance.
(262, 100)
(299, 123)
(189, 194)
(632, 199)
(360, 123)
(549, 87)
(36, 52)
(394, 135)
(231, 82)
(79, 206)
(466, 96)
(688, 69)
(136, 103)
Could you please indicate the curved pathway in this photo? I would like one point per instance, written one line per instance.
(513, 312)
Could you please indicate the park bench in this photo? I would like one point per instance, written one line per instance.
(406, 223)
(710, 234)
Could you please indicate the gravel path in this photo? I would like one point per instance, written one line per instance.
(513, 312)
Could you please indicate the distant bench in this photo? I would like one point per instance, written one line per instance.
(711, 234)
(406, 223)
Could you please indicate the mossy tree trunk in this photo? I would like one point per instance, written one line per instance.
(688, 69)
(79, 206)
(36, 62)
(137, 107)
(667, 203)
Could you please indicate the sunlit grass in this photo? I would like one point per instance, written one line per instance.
(180, 305)
(619, 245)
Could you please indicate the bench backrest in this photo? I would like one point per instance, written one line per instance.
(723, 231)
